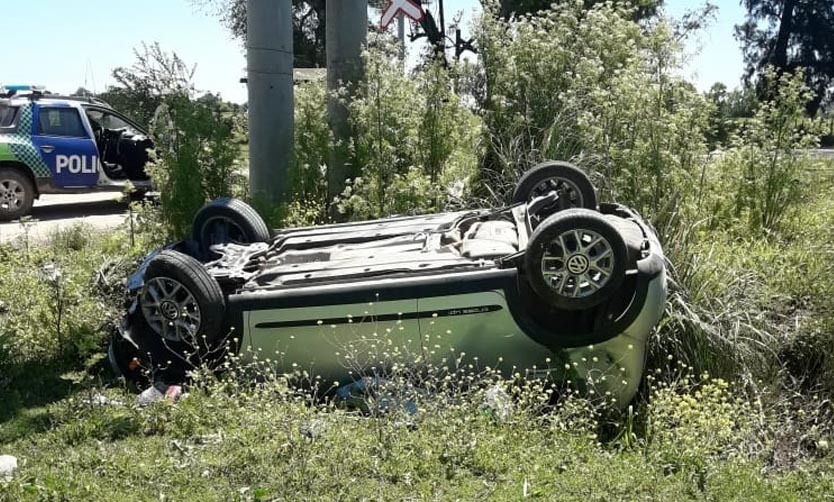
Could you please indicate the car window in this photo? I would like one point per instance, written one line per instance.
(60, 122)
(8, 114)
(110, 121)
(107, 120)
(95, 115)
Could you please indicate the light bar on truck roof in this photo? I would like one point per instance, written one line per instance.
(8, 91)
(22, 88)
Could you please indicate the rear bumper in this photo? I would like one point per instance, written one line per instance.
(614, 368)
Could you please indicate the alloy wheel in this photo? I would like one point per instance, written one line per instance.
(578, 263)
(170, 309)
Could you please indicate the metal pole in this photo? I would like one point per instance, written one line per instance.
(347, 32)
(443, 25)
(401, 34)
(443, 30)
(269, 50)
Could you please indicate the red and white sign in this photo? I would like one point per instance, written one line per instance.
(410, 8)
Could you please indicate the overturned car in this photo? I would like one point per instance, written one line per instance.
(555, 284)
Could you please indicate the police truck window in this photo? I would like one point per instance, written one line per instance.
(60, 122)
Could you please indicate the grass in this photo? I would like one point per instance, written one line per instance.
(269, 443)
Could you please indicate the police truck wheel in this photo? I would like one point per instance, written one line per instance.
(17, 194)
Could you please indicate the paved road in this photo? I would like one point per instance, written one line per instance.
(52, 212)
(823, 153)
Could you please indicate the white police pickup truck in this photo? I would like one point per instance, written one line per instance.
(64, 144)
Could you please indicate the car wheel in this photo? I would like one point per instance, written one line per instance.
(575, 259)
(573, 186)
(179, 320)
(17, 194)
(224, 221)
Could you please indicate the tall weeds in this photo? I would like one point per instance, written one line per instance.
(416, 142)
(594, 87)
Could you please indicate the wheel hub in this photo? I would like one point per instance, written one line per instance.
(578, 264)
(10, 196)
(169, 310)
(569, 194)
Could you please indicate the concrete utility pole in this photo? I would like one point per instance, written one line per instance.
(269, 51)
(401, 35)
(347, 32)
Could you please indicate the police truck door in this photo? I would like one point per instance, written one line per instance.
(66, 146)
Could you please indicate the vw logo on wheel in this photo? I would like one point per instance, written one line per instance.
(578, 264)
(169, 310)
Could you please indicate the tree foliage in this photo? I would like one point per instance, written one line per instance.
(729, 110)
(642, 8)
(308, 27)
(141, 87)
(788, 35)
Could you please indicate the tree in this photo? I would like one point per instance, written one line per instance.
(308, 27)
(730, 109)
(140, 88)
(643, 8)
(788, 35)
(309, 23)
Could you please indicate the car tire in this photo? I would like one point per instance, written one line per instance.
(17, 194)
(572, 183)
(575, 259)
(179, 321)
(226, 220)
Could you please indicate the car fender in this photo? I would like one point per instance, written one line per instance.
(17, 147)
(23, 157)
(136, 280)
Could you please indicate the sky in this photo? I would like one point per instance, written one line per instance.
(66, 44)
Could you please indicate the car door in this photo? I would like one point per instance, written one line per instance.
(66, 146)
(337, 341)
(480, 325)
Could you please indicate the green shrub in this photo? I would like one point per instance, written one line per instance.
(196, 159)
(767, 162)
(689, 426)
(308, 176)
(593, 86)
(61, 300)
(415, 143)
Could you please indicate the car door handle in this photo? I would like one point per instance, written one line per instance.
(47, 148)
